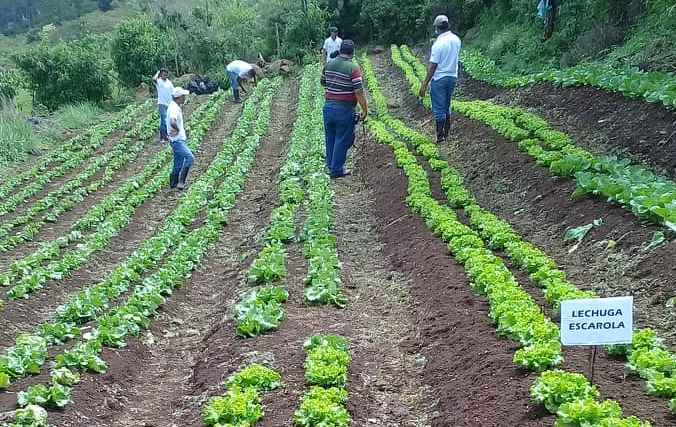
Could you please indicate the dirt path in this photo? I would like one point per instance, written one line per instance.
(25, 315)
(512, 186)
(166, 368)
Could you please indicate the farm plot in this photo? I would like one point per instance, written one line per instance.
(416, 292)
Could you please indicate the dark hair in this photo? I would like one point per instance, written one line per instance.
(347, 47)
(252, 73)
(164, 70)
(443, 26)
(334, 54)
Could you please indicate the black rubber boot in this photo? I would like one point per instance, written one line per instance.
(173, 180)
(440, 131)
(181, 178)
(235, 94)
(447, 127)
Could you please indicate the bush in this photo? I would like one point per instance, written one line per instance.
(139, 50)
(65, 73)
(9, 82)
(16, 133)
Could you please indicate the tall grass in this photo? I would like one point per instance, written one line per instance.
(17, 137)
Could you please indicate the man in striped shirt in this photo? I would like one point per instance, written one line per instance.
(344, 89)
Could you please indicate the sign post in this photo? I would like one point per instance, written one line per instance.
(597, 321)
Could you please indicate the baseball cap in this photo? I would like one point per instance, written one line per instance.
(440, 19)
(179, 92)
(347, 47)
(334, 29)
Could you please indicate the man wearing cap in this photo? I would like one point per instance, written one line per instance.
(344, 89)
(183, 158)
(237, 71)
(164, 89)
(443, 72)
(331, 45)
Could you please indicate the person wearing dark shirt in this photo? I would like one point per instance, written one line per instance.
(343, 81)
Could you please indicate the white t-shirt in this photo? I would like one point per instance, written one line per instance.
(445, 51)
(331, 46)
(174, 112)
(164, 91)
(240, 67)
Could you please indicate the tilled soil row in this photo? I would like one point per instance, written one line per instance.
(151, 384)
(65, 221)
(25, 315)
(487, 160)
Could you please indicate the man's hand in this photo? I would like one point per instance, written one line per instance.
(362, 115)
(423, 90)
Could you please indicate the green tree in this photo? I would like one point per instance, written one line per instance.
(65, 73)
(140, 49)
(305, 30)
(9, 82)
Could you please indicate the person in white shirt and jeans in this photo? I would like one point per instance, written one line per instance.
(331, 45)
(443, 72)
(237, 71)
(164, 89)
(183, 158)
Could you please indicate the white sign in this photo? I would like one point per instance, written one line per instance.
(597, 321)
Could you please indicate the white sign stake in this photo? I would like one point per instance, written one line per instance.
(593, 322)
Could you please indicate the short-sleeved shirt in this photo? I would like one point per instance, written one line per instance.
(331, 46)
(174, 112)
(445, 51)
(240, 68)
(164, 91)
(342, 79)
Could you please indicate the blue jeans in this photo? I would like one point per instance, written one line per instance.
(233, 82)
(339, 133)
(441, 91)
(162, 109)
(183, 157)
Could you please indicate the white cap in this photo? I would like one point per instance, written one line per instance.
(440, 19)
(179, 92)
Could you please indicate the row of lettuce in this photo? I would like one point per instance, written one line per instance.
(648, 195)
(512, 310)
(65, 197)
(302, 183)
(646, 356)
(652, 87)
(326, 368)
(230, 168)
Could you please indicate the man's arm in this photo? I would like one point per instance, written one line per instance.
(430, 72)
(240, 83)
(156, 76)
(361, 98)
(174, 126)
(255, 77)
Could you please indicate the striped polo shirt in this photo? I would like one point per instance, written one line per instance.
(342, 78)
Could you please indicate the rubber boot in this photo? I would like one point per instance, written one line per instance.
(173, 180)
(235, 93)
(447, 127)
(181, 178)
(440, 131)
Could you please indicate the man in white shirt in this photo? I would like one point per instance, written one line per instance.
(237, 71)
(164, 89)
(331, 45)
(443, 72)
(183, 158)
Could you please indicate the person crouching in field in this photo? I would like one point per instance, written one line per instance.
(164, 89)
(342, 79)
(183, 158)
(237, 71)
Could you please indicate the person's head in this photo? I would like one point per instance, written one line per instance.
(179, 95)
(347, 48)
(334, 32)
(441, 24)
(252, 73)
(164, 73)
